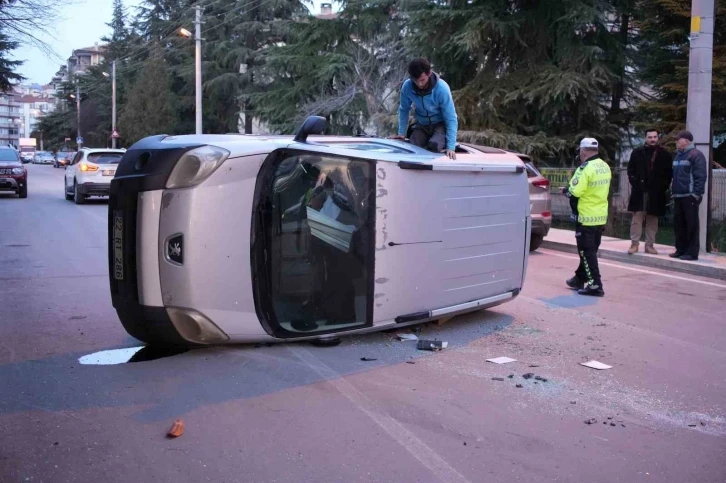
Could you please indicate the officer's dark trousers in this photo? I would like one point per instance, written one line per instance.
(588, 242)
(685, 224)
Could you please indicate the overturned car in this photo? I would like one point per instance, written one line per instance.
(249, 238)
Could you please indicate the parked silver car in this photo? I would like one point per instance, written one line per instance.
(233, 238)
(539, 194)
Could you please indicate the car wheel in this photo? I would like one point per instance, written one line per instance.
(78, 198)
(23, 192)
(535, 242)
(68, 196)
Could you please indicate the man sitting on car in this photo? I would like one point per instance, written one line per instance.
(436, 120)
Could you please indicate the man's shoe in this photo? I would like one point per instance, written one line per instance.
(650, 250)
(633, 248)
(688, 258)
(592, 290)
(575, 283)
(675, 255)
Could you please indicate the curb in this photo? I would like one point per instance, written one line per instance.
(657, 261)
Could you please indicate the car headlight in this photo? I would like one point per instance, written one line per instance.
(195, 166)
(18, 170)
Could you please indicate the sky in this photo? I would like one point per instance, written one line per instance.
(82, 24)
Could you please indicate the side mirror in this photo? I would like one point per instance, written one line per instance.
(312, 125)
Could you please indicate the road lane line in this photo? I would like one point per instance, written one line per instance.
(633, 269)
(417, 448)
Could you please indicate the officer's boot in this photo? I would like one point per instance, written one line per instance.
(592, 290)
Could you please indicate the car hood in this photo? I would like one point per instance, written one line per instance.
(10, 164)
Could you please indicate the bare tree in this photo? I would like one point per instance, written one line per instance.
(29, 21)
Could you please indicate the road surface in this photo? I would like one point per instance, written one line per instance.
(298, 413)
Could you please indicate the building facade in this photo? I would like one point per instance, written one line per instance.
(10, 119)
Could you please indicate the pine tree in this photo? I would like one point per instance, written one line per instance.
(150, 108)
(530, 76)
(8, 68)
(663, 68)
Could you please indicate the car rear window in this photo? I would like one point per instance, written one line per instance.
(105, 158)
(532, 171)
(8, 155)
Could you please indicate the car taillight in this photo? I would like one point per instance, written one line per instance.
(87, 167)
(542, 183)
(546, 214)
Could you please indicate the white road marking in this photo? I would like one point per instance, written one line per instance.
(633, 269)
(418, 449)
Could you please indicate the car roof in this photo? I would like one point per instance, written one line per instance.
(101, 150)
(390, 150)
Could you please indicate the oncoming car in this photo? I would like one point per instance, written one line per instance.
(239, 238)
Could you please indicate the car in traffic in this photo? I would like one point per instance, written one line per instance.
(539, 193)
(63, 158)
(43, 157)
(90, 173)
(242, 238)
(13, 175)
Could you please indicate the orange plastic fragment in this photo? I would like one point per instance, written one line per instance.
(177, 429)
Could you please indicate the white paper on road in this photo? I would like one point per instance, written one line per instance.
(596, 365)
(407, 336)
(501, 360)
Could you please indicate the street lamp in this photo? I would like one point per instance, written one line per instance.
(113, 103)
(197, 63)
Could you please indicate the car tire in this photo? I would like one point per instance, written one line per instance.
(78, 198)
(535, 242)
(68, 197)
(23, 192)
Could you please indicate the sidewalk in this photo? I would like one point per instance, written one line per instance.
(707, 265)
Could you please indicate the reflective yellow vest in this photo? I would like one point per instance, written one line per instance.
(590, 185)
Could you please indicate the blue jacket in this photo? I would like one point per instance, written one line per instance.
(431, 106)
(689, 173)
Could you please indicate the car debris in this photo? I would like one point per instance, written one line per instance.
(529, 375)
(502, 360)
(520, 386)
(540, 378)
(591, 421)
(511, 376)
(368, 359)
(431, 345)
(407, 336)
(410, 362)
(177, 429)
(596, 365)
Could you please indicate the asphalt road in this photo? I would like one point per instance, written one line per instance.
(298, 413)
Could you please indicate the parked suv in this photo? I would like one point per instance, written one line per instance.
(90, 173)
(13, 175)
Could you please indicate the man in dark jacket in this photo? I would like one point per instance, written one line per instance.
(689, 182)
(650, 171)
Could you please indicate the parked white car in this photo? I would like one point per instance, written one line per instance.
(90, 173)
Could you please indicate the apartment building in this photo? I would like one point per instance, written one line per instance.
(10, 119)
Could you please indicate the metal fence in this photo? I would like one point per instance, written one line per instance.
(619, 225)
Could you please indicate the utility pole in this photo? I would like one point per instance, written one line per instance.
(113, 104)
(198, 66)
(700, 68)
(78, 115)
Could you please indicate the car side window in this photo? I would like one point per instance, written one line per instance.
(77, 158)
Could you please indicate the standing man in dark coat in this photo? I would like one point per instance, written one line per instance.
(650, 171)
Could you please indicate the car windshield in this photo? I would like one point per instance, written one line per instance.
(105, 158)
(8, 155)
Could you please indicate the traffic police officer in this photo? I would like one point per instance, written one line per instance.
(588, 192)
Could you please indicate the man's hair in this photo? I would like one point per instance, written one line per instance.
(685, 135)
(651, 129)
(419, 66)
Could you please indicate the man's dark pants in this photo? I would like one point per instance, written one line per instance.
(685, 224)
(431, 137)
(588, 242)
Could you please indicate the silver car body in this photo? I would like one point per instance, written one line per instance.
(450, 237)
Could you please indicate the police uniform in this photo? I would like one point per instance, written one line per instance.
(588, 192)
